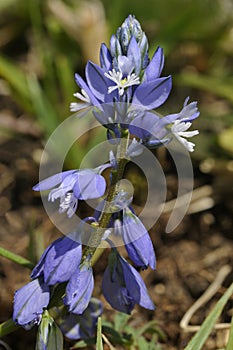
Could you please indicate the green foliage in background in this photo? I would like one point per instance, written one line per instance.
(45, 42)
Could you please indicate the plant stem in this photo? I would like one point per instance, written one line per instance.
(116, 175)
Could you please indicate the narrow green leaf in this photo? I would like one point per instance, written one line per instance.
(83, 343)
(16, 258)
(66, 78)
(201, 336)
(208, 83)
(46, 114)
(230, 340)
(7, 327)
(99, 342)
(120, 321)
(14, 76)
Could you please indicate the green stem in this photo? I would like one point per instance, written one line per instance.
(116, 174)
(16, 258)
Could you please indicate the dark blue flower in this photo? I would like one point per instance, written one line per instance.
(123, 287)
(82, 326)
(79, 290)
(29, 303)
(74, 185)
(59, 261)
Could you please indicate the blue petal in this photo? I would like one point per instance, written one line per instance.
(115, 47)
(105, 58)
(89, 185)
(70, 326)
(39, 268)
(62, 260)
(52, 181)
(29, 302)
(83, 326)
(153, 94)
(135, 53)
(125, 64)
(115, 293)
(82, 84)
(79, 290)
(142, 125)
(154, 68)
(144, 299)
(137, 241)
(97, 82)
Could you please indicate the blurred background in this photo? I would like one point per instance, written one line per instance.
(43, 43)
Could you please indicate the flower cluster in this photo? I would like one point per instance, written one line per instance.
(128, 85)
(124, 90)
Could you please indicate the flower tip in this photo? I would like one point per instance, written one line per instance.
(36, 187)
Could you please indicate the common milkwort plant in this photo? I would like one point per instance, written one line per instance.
(122, 93)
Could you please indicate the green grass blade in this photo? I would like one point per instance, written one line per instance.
(208, 83)
(7, 327)
(201, 336)
(46, 114)
(14, 76)
(16, 258)
(230, 340)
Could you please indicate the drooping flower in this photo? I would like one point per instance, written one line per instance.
(122, 285)
(153, 130)
(74, 185)
(29, 303)
(82, 326)
(137, 240)
(59, 261)
(79, 290)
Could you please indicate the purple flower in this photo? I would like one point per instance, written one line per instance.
(82, 326)
(137, 240)
(59, 261)
(148, 127)
(123, 286)
(126, 74)
(29, 303)
(154, 131)
(79, 290)
(74, 185)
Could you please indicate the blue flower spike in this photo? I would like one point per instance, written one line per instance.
(125, 91)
